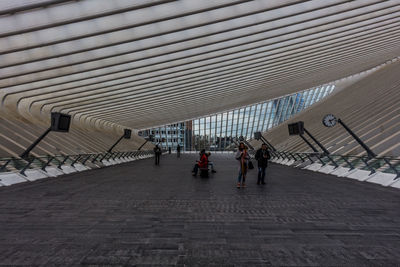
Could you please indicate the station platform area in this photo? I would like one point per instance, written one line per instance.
(137, 213)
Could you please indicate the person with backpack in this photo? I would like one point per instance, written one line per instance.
(243, 157)
(262, 156)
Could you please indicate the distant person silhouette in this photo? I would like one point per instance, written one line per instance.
(178, 151)
(262, 156)
(157, 154)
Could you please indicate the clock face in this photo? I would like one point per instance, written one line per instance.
(329, 120)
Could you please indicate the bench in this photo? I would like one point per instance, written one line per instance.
(204, 172)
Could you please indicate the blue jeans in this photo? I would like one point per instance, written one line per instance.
(211, 165)
(241, 175)
(261, 175)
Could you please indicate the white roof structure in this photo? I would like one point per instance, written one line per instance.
(143, 63)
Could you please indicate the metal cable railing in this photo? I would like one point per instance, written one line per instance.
(17, 164)
(382, 164)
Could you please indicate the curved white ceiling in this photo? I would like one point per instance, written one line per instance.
(144, 63)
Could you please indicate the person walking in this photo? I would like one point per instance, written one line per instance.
(243, 157)
(262, 156)
(178, 151)
(157, 154)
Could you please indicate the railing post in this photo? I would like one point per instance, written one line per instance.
(104, 156)
(5, 164)
(392, 167)
(47, 163)
(286, 156)
(84, 161)
(366, 164)
(334, 163)
(62, 162)
(27, 166)
(319, 158)
(115, 155)
(298, 154)
(308, 156)
(96, 157)
(348, 163)
(290, 153)
(76, 160)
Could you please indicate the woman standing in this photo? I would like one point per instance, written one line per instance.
(243, 157)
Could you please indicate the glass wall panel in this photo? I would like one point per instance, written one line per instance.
(220, 130)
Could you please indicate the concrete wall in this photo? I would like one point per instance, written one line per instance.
(370, 107)
(17, 133)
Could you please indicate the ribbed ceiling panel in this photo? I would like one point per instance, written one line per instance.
(144, 63)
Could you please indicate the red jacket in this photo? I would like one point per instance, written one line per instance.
(203, 163)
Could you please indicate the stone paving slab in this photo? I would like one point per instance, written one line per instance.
(138, 214)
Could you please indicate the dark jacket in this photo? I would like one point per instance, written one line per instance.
(261, 160)
(157, 150)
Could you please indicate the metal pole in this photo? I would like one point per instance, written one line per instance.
(116, 143)
(143, 145)
(370, 153)
(316, 141)
(26, 152)
(308, 143)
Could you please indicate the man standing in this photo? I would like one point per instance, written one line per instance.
(262, 156)
(178, 150)
(157, 154)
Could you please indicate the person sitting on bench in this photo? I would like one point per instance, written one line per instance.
(202, 164)
(211, 164)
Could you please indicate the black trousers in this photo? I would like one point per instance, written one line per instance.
(195, 169)
(157, 158)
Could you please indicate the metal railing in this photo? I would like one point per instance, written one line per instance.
(382, 164)
(14, 164)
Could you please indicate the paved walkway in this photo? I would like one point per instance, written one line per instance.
(138, 214)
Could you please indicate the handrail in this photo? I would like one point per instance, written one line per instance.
(21, 165)
(384, 164)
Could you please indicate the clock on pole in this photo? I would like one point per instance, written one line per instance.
(329, 120)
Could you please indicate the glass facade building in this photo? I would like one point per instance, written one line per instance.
(220, 131)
